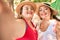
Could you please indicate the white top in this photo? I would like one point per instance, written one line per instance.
(49, 34)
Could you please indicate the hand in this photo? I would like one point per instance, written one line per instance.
(44, 25)
(47, 17)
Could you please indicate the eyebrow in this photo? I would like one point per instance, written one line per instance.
(44, 6)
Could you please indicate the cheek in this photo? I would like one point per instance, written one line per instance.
(25, 11)
(40, 14)
(24, 14)
(32, 11)
(48, 11)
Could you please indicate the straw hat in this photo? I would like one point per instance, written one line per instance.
(18, 8)
(55, 12)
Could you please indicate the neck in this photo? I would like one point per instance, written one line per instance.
(46, 19)
(28, 19)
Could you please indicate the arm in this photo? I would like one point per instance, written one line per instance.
(20, 28)
(58, 30)
(44, 25)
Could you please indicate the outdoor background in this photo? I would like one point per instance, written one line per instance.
(54, 3)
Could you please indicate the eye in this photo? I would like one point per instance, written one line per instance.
(46, 8)
(26, 8)
(29, 8)
(32, 8)
(40, 9)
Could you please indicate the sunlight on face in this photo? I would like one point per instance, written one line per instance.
(44, 12)
(27, 11)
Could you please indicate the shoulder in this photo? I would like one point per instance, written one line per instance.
(53, 21)
(57, 27)
(20, 28)
(21, 22)
(58, 24)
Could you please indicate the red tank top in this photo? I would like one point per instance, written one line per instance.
(30, 34)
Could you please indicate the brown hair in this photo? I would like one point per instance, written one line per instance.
(52, 15)
(20, 16)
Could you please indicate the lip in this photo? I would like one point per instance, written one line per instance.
(44, 14)
(29, 12)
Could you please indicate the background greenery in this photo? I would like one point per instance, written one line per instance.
(54, 3)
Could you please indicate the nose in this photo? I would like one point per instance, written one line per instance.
(30, 11)
(43, 10)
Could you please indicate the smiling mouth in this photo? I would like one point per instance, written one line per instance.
(29, 12)
(45, 14)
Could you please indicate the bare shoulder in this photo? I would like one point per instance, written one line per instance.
(58, 30)
(58, 27)
(58, 24)
(20, 28)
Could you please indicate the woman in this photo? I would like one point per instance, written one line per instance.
(25, 12)
(48, 22)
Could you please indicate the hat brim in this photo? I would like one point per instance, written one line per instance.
(54, 12)
(18, 8)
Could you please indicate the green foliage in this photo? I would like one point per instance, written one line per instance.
(21, 0)
(56, 5)
(42, 0)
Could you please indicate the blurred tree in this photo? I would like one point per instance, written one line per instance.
(21, 0)
(38, 0)
(42, 0)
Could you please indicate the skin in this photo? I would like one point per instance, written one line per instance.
(58, 30)
(27, 13)
(10, 27)
(6, 20)
(8, 24)
(0, 8)
(44, 13)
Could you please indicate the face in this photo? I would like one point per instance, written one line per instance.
(44, 12)
(27, 11)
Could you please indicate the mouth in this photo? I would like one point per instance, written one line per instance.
(44, 14)
(29, 12)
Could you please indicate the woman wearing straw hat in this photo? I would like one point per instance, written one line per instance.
(48, 22)
(25, 12)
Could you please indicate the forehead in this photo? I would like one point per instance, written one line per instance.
(27, 6)
(43, 6)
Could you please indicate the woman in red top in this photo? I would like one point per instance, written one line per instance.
(26, 31)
